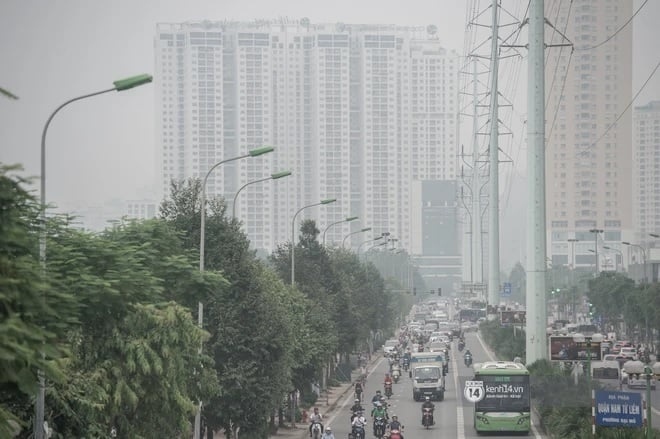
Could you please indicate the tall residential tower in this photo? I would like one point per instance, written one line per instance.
(356, 112)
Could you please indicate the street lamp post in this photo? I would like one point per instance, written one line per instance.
(293, 235)
(345, 220)
(119, 85)
(573, 241)
(366, 242)
(200, 306)
(275, 176)
(343, 243)
(643, 256)
(596, 232)
(616, 263)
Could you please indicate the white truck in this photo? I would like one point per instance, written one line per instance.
(428, 370)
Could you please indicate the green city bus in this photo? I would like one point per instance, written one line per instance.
(505, 406)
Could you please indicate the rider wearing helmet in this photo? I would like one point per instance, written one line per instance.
(395, 424)
(378, 412)
(358, 423)
(356, 408)
(428, 405)
(328, 434)
(377, 396)
(315, 417)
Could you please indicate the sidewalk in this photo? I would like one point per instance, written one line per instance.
(327, 403)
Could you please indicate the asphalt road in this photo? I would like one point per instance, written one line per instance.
(453, 416)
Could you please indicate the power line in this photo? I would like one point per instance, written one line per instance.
(617, 31)
(561, 49)
(627, 106)
(561, 94)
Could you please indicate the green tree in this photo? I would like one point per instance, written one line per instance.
(33, 316)
(130, 339)
(251, 340)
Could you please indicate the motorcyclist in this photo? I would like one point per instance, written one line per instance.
(388, 380)
(359, 422)
(428, 405)
(314, 418)
(395, 424)
(356, 408)
(467, 357)
(378, 412)
(358, 390)
(328, 434)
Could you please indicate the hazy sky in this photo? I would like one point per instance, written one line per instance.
(102, 148)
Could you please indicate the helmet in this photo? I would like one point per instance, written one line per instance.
(328, 429)
(377, 392)
(428, 398)
(357, 401)
(377, 404)
(394, 417)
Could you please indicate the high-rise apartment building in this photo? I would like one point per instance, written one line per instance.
(646, 159)
(588, 142)
(356, 112)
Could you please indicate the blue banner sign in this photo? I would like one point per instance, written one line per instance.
(618, 409)
(506, 290)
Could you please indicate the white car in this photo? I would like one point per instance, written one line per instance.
(389, 346)
(628, 352)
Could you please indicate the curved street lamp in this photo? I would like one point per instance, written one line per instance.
(200, 306)
(275, 176)
(616, 264)
(643, 255)
(343, 243)
(293, 235)
(119, 85)
(345, 220)
(366, 242)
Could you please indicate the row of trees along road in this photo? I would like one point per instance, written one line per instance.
(112, 321)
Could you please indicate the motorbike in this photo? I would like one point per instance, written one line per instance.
(461, 346)
(388, 390)
(468, 360)
(356, 433)
(396, 374)
(406, 364)
(316, 430)
(427, 417)
(379, 427)
(395, 434)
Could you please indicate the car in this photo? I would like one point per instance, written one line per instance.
(390, 346)
(628, 352)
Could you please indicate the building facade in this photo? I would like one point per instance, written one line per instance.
(646, 183)
(588, 135)
(355, 112)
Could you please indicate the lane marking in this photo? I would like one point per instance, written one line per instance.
(487, 351)
(460, 422)
(350, 396)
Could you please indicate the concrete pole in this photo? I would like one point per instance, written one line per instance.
(494, 187)
(536, 341)
(477, 260)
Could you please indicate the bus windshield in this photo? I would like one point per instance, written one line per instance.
(504, 393)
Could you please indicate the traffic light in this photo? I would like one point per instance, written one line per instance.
(439, 291)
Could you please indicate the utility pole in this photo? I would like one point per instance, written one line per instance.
(536, 340)
(494, 185)
(477, 259)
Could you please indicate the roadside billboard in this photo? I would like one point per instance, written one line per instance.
(563, 348)
(513, 317)
(618, 409)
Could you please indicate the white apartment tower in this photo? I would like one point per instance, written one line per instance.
(646, 159)
(588, 151)
(355, 112)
